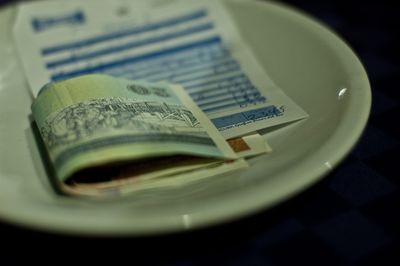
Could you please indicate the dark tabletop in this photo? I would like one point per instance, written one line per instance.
(350, 217)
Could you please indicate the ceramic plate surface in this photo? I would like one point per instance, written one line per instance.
(309, 62)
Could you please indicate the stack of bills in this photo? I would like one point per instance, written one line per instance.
(144, 94)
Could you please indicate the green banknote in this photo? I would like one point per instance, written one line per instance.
(101, 131)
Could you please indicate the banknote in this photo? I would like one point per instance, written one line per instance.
(96, 121)
(165, 172)
(172, 173)
(249, 145)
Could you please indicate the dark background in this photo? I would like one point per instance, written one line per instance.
(349, 218)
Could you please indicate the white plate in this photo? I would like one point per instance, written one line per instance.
(314, 67)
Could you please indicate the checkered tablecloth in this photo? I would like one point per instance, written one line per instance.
(350, 217)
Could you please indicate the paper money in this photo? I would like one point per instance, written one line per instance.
(97, 120)
(130, 180)
(249, 145)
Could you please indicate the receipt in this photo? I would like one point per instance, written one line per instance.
(192, 43)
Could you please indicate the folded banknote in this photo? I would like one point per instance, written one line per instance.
(104, 134)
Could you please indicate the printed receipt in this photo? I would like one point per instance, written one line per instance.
(192, 43)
